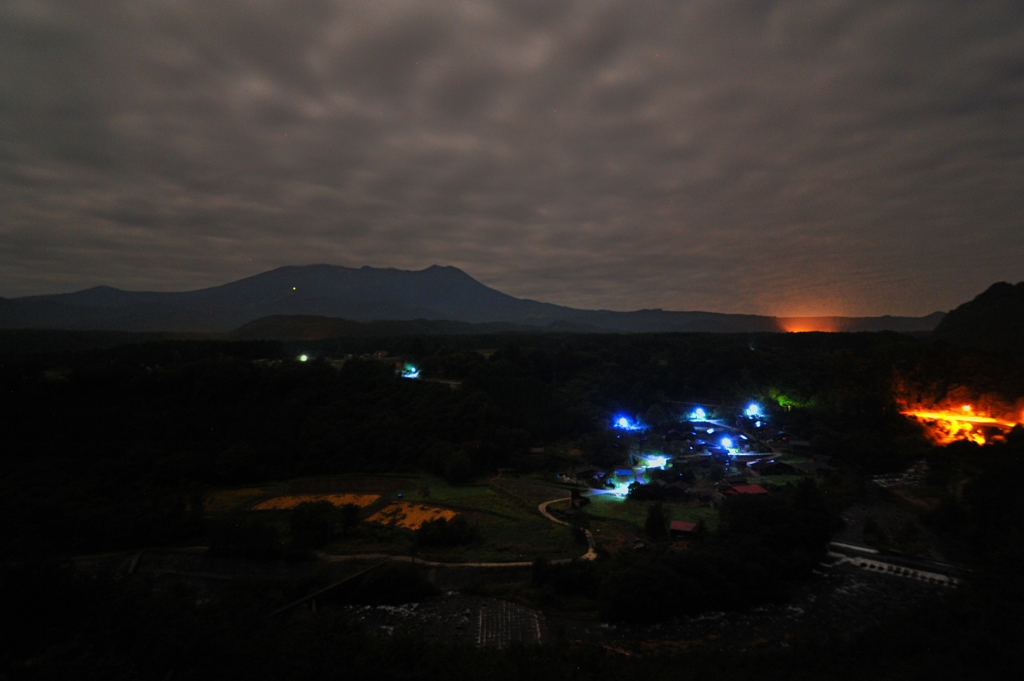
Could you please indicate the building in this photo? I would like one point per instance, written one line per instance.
(678, 490)
(681, 528)
(703, 496)
(771, 467)
(735, 490)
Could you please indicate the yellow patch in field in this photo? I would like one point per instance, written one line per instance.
(410, 516)
(284, 503)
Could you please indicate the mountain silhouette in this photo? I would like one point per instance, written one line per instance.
(373, 294)
(993, 319)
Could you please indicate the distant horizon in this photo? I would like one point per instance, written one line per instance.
(795, 318)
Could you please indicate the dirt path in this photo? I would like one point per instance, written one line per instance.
(591, 553)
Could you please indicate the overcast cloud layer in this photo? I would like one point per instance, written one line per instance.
(786, 157)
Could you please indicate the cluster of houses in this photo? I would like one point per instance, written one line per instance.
(683, 492)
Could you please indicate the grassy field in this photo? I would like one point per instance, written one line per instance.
(634, 513)
(503, 509)
(232, 500)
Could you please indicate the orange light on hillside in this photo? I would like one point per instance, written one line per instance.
(947, 426)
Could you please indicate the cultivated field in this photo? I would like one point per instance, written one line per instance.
(291, 501)
(409, 516)
(504, 510)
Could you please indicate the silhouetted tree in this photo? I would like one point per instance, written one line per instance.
(656, 524)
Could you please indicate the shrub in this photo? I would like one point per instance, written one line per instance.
(442, 532)
(312, 524)
(656, 524)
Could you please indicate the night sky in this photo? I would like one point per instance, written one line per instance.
(788, 157)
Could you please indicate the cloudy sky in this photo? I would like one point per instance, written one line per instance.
(786, 157)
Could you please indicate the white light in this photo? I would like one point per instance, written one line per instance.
(303, 358)
(710, 430)
(753, 410)
(727, 443)
(757, 424)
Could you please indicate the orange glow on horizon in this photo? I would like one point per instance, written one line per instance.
(808, 324)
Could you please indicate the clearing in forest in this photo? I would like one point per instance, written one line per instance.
(410, 516)
(283, 503)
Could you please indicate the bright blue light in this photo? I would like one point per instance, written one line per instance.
(753, 410)
(727, 443)
(697, 414)
(620, 490)
(711, 430)
(410, 372)
(623, 423)
(757, 424)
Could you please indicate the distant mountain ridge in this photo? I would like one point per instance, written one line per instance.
(369, 294)
(995, 318)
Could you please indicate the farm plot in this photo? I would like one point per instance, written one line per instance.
(291, 501)
(409, 516)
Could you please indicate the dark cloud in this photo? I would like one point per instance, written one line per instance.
(786, 156)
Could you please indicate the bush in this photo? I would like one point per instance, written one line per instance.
(442, 532)
(656, 524)
(312, 524)
(646, 492)
(349, 517)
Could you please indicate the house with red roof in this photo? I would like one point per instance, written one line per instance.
(681, 528)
